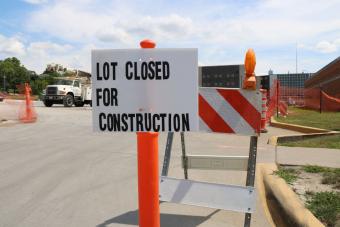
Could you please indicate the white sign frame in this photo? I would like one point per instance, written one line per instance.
(137, 90)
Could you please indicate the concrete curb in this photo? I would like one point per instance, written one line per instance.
(275, 140)
(297, 128)
(310, 132)
(285, 196)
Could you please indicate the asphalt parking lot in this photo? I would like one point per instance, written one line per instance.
(57, 172)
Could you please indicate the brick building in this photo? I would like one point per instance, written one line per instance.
(327, 78)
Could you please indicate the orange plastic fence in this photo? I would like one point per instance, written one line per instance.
(317, 99)
(313, 98)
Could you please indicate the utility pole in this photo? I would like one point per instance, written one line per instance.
(296, 59)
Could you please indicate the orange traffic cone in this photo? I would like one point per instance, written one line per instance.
(28, 115)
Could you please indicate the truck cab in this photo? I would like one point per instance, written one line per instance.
(69, 92)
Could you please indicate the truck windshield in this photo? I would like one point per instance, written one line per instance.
(64, 82)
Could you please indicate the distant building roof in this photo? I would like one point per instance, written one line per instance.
(325, 75)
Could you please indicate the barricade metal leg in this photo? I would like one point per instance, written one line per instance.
(251, 172)
(184, 157)
(167, 154)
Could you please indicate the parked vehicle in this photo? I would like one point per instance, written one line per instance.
(69, 91)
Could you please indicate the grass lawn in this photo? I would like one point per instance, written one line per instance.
(332, 142)
(312, 118)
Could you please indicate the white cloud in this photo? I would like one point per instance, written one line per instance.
(11, 46)
(43, 48)
(326, 47)
(39, 54)
(222, 31)
(36, 55)
(35, 2)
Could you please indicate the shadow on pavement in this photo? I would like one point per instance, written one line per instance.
(167, 220)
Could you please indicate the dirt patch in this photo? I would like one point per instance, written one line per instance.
(307, 183)
(318, 188)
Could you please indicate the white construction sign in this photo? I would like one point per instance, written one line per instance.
(139, 90)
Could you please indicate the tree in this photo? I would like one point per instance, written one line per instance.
(15, 73)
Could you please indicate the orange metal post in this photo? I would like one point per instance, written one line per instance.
(148, 176)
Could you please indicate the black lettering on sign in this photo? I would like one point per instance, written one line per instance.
(185, 122)
(128, 74)
(158, 70)
(163, 116)
(147, 118)
(113, 64)
(116, 122)
(139, 122)
(109, 122)
(153, 70)
(125, 125)
(144, 122)
(131, 116)
(176, 122)
(98, 95)
(137, 77)
(144, 70)
(98, 76)
(170, 124)
(166, 70)
(102, 117)
(155, 124)
(106, 70)
(108, 96)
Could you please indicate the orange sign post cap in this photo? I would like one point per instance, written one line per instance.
(147, 43)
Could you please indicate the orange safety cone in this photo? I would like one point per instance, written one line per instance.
(148, 176)
(28, 115)
(249, 64)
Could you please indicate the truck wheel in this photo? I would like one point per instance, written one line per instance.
(68, 100)
(48, 103)
(79, 104)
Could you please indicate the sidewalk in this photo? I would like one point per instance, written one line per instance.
(302, 155)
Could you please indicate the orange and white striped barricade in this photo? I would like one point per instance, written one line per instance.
(235, 111)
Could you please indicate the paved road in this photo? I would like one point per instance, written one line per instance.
(57, 172)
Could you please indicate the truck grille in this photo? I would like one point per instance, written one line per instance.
(51, 91)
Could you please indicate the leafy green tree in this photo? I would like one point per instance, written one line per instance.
(15, 72)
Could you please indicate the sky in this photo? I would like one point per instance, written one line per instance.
(39, 32)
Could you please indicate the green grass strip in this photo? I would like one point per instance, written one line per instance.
(312, 118)
(332, 142)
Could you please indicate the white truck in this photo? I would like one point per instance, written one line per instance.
(68, 91)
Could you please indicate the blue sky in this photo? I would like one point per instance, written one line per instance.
(39, 32)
